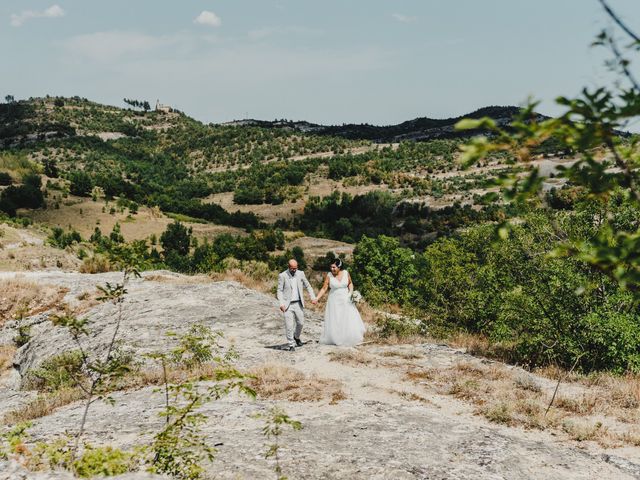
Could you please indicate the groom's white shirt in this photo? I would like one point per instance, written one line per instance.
(291, 286)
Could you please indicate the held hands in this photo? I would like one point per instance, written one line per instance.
(314, 301)
(282, 308)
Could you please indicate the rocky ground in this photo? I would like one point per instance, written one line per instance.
(380, 426)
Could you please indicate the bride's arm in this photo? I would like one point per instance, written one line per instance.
(350, 283)
(323, 290)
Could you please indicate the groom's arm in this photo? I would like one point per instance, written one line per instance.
(280, 291)
(308, 286)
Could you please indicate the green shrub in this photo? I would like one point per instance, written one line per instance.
(103, 461)
(61, 239)
(81, 183)
(61, 371)
(384, 271)
(5, 179)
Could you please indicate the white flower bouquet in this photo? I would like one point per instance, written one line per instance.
(355, 297)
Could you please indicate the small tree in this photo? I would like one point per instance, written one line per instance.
(81, 183)
(277, 419)
(176, 239)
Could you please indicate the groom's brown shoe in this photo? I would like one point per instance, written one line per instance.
(298, 342)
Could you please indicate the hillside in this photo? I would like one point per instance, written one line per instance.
(418, 129)
(249, 174)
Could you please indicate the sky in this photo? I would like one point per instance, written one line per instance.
(329, 61)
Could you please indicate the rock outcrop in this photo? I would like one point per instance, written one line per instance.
(372, 433)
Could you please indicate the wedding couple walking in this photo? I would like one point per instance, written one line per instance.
(342, 322)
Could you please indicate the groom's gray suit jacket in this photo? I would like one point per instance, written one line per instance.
(285, 291)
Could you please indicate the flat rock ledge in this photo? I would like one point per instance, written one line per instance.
(372, 434)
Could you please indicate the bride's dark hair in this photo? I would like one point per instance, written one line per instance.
(338, 263)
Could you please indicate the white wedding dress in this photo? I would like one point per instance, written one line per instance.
(342, 322)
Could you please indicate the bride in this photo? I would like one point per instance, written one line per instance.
(342, 322)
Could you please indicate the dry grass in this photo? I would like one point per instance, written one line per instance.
(21, 298)
(46, 403)
(178, 279)
(352, 357)
(6, 357)
(175, 375)
(528, 383)
(499, 413)
(421, 375)
(403, 354)
(621, 391)
(280, 382)
(582, 431)
(96, 264)
(411, 396)
(369, 315)
(554, 372)
(43, 405)
(480, 346)
(603, 410)
(254, 282)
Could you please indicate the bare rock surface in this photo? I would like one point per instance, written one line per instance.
(374, 433)
(10, 470)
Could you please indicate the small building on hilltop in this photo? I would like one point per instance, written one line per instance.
(163, 108)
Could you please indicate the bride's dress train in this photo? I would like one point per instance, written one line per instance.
(342, 322)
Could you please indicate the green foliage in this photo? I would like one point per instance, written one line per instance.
(384, 271)
(541, 307)
(116, 234)
(323, 263)
(591, 123)
(208, 256)
(103, 461)
(61, 371)
(5, 179)
(27, 195)
(280, 262)
(23, 336)
(175, 241)
(50, 168)
(180, 448)
(11, 439)
(276, 420)
(196, 347)
(389, 326)
(61, 239)
(81, 183)
(346, 218)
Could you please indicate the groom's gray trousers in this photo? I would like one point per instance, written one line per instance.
(293, 322)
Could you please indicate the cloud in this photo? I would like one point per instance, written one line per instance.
(54, 11)
(110, 46)
(404, 18)
(207, 18)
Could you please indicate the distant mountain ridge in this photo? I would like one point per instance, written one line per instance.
(39, 118)
(418, 129)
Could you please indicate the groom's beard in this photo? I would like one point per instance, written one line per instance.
(292, 272)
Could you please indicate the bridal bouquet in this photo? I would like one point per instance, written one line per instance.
(355, 297)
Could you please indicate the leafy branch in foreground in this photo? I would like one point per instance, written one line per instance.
(180, 448)
(606, 163)
(276, 420)
(99, 372)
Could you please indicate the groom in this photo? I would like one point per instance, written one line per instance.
(290, 286)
